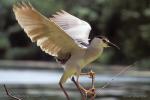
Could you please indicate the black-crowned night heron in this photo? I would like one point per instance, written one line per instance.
(63, 36)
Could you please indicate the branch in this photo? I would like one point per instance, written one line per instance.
(9, 95)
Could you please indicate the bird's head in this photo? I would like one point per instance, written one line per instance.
(106, 43)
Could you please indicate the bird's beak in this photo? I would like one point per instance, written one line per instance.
(114, 45)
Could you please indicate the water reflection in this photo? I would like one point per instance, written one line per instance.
(29, 77)
(43, 85)
(52, 77)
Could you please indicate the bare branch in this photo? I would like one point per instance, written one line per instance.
(121, 72)
(9, 95)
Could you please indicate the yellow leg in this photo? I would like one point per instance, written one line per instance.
(90, 92)
(87, 92)
(84, 92)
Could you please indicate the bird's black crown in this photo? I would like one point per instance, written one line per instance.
(103, 38)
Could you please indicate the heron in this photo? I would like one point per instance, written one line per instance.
(63, 36)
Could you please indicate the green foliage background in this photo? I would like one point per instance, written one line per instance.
(125, 22)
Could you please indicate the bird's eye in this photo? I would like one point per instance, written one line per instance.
(104, 41)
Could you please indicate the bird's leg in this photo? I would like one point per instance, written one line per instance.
(85, 92)
(79, 88)
(93, 87)
(61, 86)
(78, 84)
(82, 89)
(90, 92)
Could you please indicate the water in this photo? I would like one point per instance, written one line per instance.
(52, 77)
(43, 85)
(29, 77)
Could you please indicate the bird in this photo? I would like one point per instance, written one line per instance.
(62, 36)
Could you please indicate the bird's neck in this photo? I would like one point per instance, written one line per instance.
(93, 51)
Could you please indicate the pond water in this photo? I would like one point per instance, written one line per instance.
(52, 77)
(43, 85)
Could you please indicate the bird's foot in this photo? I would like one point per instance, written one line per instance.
(91, 74)
(92, 92)
(89, 92)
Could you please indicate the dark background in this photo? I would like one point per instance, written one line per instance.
(125, 22)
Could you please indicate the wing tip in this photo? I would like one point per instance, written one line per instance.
(58, 14)
(21, 5)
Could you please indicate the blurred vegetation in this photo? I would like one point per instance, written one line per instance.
(125, 22)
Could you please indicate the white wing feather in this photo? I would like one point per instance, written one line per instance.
(50, 37)
(73, 26)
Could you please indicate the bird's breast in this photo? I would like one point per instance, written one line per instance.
(83, 57)
(90, 55)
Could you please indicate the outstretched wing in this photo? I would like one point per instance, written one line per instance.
(50, 37)
(78, 29)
